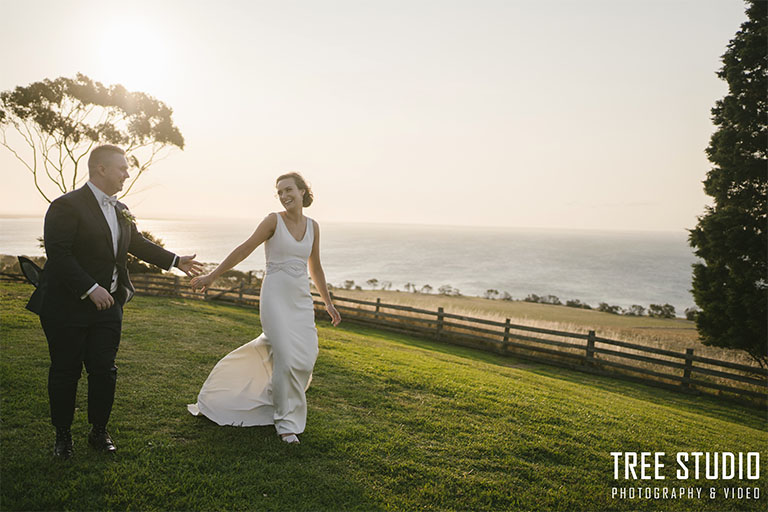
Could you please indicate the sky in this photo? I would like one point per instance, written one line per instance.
(566, 114)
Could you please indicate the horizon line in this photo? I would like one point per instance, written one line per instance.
(4, 215)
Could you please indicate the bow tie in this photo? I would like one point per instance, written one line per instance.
(111, 200)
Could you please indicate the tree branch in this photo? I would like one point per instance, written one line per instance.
(9, 148)
(43, 152)
(44, 149)
(37, 186)
(143, 167)
(32, 169)
(76, 160)
(60, 167)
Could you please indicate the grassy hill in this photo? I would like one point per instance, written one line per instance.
(395, 423)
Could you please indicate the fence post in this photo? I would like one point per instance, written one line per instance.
(250, 276)
(505, 345)
(378, 307)
(176, 286)
(591, 347)
(688, 366)
(439, 327)
(240, 292)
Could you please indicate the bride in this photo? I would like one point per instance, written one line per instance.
(263, 382)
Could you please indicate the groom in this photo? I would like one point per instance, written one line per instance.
(83, 288)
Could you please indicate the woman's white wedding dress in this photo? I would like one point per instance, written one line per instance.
(264, 381)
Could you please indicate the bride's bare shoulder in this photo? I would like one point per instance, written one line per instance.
(268, 224)
(315, 227)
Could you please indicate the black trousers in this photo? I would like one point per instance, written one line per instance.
(93, 340)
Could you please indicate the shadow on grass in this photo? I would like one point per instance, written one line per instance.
(283, 476)
(385, 431)
(706, 405)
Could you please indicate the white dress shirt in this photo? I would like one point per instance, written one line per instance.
(110, 214)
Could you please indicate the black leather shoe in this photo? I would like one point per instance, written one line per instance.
(63, 448)
(100, 440)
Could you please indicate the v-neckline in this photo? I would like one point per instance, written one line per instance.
(306, 227)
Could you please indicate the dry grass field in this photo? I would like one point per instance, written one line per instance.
(675, 334)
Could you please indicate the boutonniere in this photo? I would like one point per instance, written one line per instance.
(126, 214)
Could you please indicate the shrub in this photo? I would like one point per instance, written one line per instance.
(661, 311)
(606, 308)
(136, 266)
(691, 313)
(635, 310)
(10, 264)
(576, 303)
(445, 289)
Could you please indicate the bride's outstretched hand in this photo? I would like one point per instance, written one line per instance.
(335, 316)
(202, 282)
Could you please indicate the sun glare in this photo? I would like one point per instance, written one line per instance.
(135, 53)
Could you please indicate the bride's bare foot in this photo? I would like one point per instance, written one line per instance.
(290, 438)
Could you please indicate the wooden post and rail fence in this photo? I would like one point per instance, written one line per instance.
(681, 371)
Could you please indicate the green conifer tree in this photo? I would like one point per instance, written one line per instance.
(730, 285)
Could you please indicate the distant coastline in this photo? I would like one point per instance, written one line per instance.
(161, 218)
(618, 268)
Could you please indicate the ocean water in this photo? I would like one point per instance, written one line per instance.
(621, 268)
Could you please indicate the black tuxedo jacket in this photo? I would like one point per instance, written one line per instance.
(78, 244)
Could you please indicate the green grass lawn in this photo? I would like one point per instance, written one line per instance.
(395, 423)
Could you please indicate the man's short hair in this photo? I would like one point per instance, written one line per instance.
(99, 152)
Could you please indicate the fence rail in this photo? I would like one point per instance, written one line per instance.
(586, 352)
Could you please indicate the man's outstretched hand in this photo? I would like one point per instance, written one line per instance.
(189, 266)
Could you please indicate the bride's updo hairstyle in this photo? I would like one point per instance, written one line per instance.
(301, 184)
